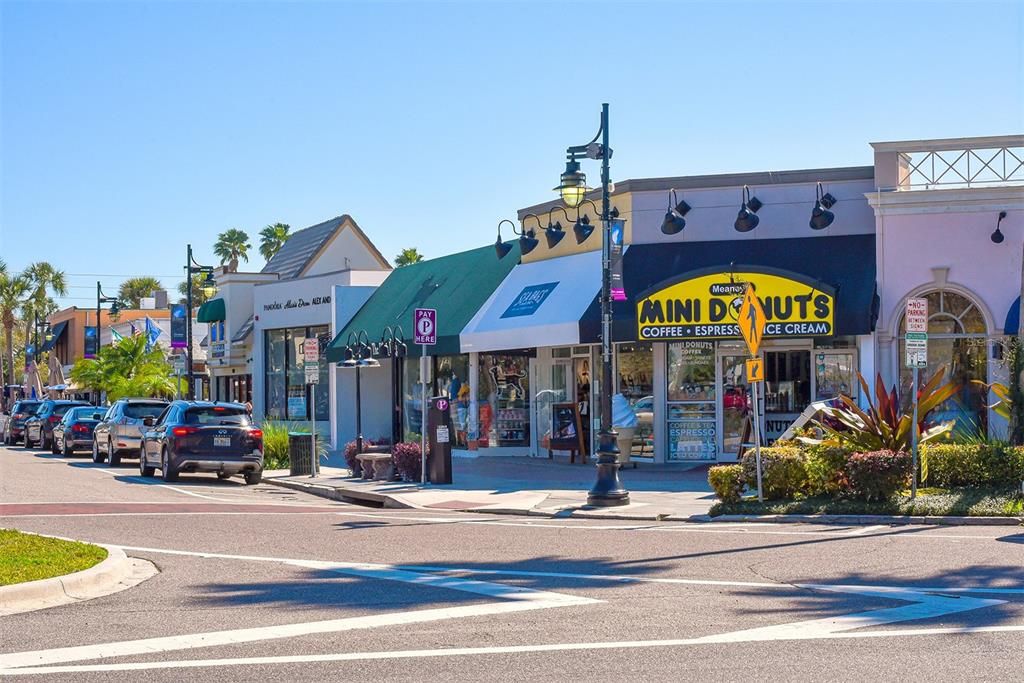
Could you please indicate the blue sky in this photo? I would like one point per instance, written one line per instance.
(131, 129)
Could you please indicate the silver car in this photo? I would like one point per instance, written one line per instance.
(119, 433)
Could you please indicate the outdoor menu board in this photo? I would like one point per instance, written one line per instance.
(566, 427)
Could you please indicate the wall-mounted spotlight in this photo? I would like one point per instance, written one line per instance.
(582, 229)
(821, 217)
(528, 241)
(997, 236)
(502, 248)
(674, 221)
(746, 219)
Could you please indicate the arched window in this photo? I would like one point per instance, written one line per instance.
(956, 342)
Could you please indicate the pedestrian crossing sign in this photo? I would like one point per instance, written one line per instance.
(755, 370)
(751, 320)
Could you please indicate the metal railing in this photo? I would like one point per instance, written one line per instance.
(961, 168)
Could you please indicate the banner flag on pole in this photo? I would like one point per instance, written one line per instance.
(115, 336)
(153, 333)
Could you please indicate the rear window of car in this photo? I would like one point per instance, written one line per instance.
(60, 409)
(83, 412)
(141, 410)
(29, 407)
(216, 415)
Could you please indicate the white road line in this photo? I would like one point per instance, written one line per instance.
(865, 530)
(468, 651)
(143, 513)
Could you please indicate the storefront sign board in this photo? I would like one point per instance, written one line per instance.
(425, 325)
(706, 305)
(529, 300)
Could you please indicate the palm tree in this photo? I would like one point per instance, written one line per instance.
(13, 290)
(42, 279)
(199, 297)
(408, 256)
(230, 246)
(134, 289)
(272, 238)
(126, 368)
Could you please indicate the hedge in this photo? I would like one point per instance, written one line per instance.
(971, 464)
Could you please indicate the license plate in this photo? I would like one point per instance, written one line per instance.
(222, 441)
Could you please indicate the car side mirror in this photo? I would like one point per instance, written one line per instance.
(149, 421)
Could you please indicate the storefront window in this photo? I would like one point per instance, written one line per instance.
(412, 398)
(835, 373)
(275, 374)
(636, 384)
(287, 394)
(787, 389)
(692, 427)
(957, 344)
(504, 400)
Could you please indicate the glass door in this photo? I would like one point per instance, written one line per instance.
(787, 389)
(552, 387)
(691, 394)
(734, 405)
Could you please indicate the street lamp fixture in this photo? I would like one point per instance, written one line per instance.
(392, 345)
(821, 217)
(502, 248)
(572, 185)
(674, 221)
(208, 287)
(115, 309)
(358, 355)
(746, 219)
(607, 489)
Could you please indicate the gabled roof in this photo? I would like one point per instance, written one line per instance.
(302, 247)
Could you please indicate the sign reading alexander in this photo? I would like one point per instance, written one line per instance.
(706, 305)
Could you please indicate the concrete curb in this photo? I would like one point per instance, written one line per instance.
(356, 496)
(101, 579)
(867, 519)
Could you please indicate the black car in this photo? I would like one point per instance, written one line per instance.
(199, 436)
(75, 429)
(39, 428)
(20, 412)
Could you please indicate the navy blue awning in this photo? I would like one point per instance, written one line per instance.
(57, 330)
(1012, 325)
(845, 262)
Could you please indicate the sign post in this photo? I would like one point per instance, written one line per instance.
(424, 322)
(751, 321)
(311, 365)
(916, 345)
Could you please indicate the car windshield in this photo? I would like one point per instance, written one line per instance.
(141, 410)
(216, 415)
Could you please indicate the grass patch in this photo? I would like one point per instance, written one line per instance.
(26, 557)
(957, 502)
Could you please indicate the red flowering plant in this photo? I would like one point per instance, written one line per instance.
(878, 475)
(406, 456)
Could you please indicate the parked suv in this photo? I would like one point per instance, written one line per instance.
(20, 412)
(198, 436)
(39, 427)
(119, 433)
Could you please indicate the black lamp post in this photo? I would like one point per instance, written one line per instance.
(359, 355)
(572, 187)
(209, 286)
(47, 335)
(115, 309)
(392, 345)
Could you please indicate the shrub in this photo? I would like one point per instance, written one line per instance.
(275, 445)
(727, 482)
(878, 475)
(406, 457)
(783, 471)
(976, 464)
(826, 469)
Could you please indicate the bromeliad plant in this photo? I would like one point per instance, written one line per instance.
(884, 426)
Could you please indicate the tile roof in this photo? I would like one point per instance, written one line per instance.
(303, 246)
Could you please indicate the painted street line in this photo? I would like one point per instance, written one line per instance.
(923, 603)
(518, 600)
(466, 651)
(160, 514)
(866, 530)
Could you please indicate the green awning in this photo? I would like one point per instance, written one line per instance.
(456, 286)
(211, 312)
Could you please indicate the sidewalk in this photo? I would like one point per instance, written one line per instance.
(525, 486)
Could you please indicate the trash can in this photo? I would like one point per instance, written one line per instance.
(300, 453)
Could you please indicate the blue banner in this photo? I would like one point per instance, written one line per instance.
(92, 341)
(178, 323)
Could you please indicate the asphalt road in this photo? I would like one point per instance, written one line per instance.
(261, 583)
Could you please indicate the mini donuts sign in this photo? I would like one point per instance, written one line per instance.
(706, 305)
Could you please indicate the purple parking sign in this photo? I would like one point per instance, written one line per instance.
(425, 323)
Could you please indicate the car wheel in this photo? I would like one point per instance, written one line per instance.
(253, 478)
(113, 455)
(53, 446)
(97, 455)
(46, 444)
(68, 450)
(144, 469)
(169, 473)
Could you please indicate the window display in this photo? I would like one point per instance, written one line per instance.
(692, 425)
(287, 394)
(635, 364)
(504, 400)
